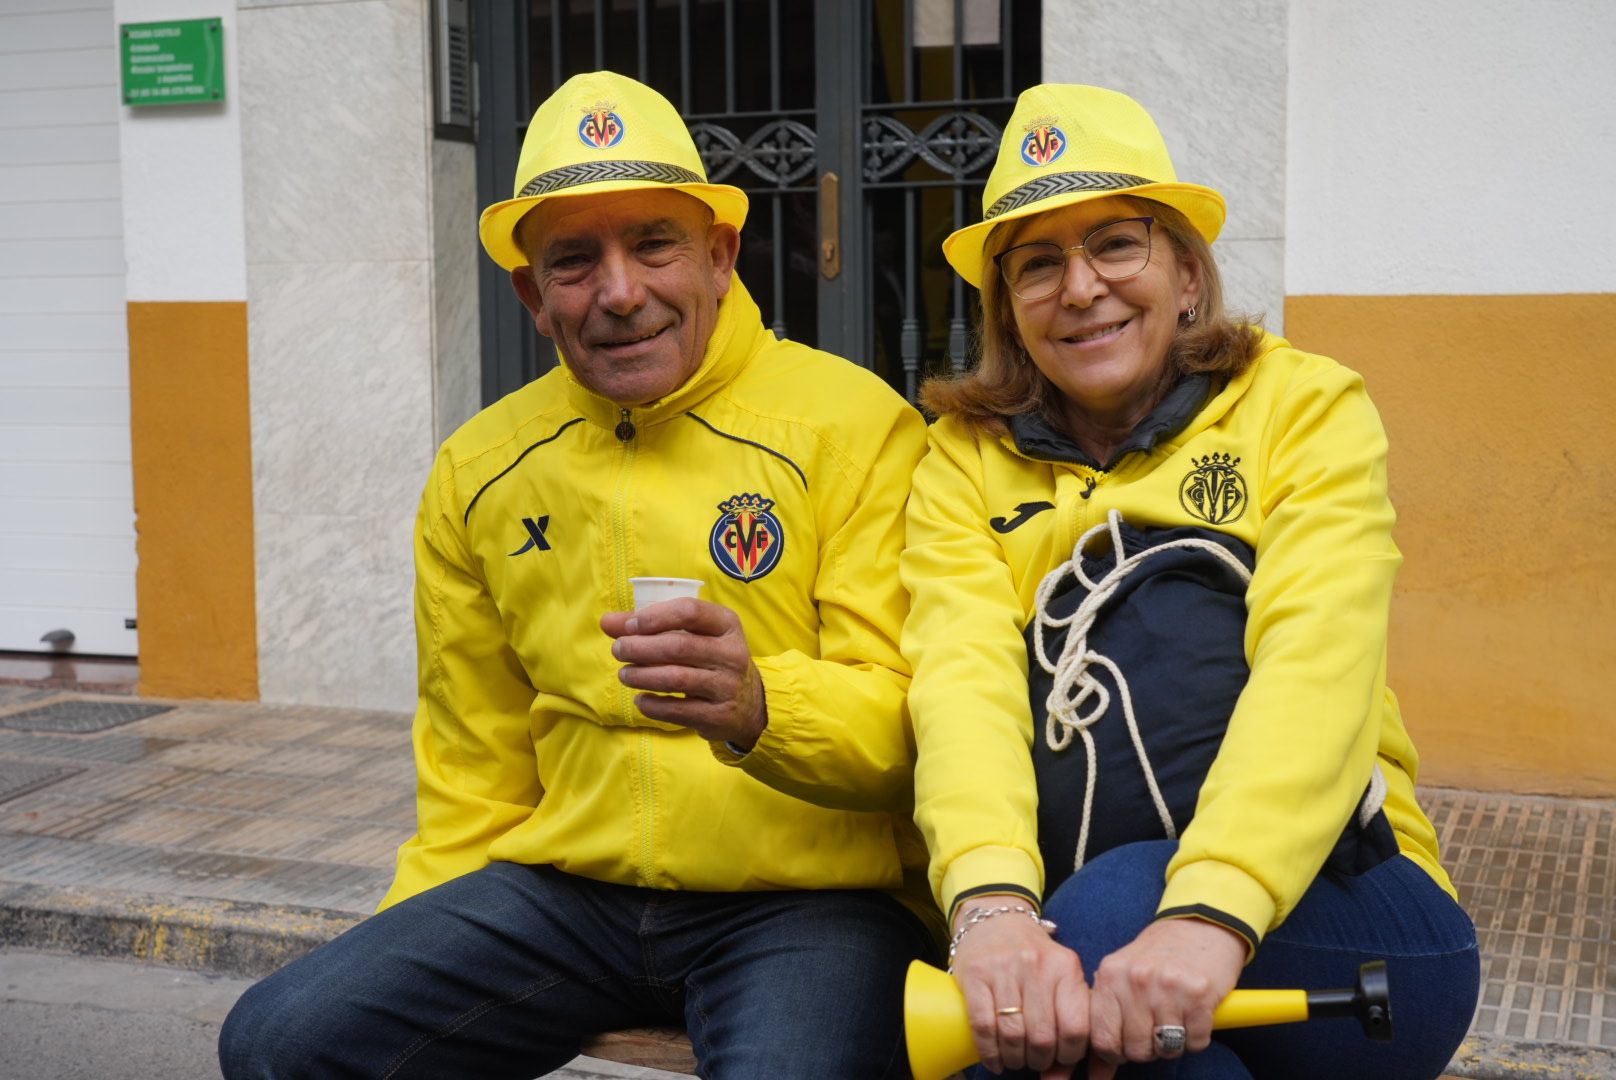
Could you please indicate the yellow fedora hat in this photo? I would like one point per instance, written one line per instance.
(1069, 144)
(602, 132)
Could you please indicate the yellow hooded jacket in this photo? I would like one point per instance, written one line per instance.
(1289, 457)
(777, 474)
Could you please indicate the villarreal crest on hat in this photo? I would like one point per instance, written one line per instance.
(747, 539)
(602, 132)
(1043, 143)
(601, 127)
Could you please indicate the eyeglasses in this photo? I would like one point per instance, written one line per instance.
(1115, 250)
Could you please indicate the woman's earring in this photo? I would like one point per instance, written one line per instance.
(1189, 313)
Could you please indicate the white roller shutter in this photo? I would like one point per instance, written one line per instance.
(67, 519)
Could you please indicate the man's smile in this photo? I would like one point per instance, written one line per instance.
(628, 342)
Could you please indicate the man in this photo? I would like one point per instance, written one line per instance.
(697, 812)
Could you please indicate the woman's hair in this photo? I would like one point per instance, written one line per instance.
(1005, 381)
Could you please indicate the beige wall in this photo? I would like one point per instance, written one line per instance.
(361, 282)
(1422, 251)
(190, 428)
(1503, 471)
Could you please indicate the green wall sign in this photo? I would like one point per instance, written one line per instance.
(173, 63)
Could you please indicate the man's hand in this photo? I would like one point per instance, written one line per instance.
(698, 649)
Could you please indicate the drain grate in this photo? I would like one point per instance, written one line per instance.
(21, 777)
(80, 717)
(1538, 875)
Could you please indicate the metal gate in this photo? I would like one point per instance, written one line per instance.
(861, 130)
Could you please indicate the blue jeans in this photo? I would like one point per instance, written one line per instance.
(502, 973)
(1393, 912)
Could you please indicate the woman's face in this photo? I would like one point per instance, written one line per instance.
(1103, 343)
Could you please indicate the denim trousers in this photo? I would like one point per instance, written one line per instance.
(1392, 912)
(502, 973)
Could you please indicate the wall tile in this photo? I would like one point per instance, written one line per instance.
(334, 119)
(335, 624)
(341, 413)
(456, 337)
(341, 387)
(1254, 279)
(341, 316)
(1212, 75)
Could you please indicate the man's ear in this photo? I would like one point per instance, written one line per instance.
(527, 291)
(723, 248)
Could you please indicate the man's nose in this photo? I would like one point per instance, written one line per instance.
(622, 287)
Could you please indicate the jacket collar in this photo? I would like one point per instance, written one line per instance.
(736, 338)
(1034, 437)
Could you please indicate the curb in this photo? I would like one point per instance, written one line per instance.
(224, 936)
(1483, 1057)
(251, 940)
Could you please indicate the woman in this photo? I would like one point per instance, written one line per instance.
(1150, 559)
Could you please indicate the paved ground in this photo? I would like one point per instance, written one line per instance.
(70, 1017)
(230, 837)
(65, 1017)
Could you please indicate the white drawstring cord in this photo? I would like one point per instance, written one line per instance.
(1073, 684)
(1374, 798)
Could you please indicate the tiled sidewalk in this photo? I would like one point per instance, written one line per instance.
(234, 802)
(297, 808)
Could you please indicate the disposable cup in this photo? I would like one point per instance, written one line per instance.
(654, 590)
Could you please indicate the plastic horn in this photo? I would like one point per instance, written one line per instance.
(938, 1031)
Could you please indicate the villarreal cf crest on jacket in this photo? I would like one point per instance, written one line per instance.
(1283, 466)
(777, 475)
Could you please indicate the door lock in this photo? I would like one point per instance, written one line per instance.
(830, 226)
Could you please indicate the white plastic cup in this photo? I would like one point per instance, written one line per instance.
(654, 590)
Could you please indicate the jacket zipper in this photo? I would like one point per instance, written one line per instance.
(625, 433)
(1079, 522)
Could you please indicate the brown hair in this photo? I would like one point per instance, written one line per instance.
(1005, 381)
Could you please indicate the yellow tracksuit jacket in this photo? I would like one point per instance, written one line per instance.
(1288, 457)
(777, 474)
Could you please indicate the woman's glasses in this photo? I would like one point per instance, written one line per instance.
(1115, 250)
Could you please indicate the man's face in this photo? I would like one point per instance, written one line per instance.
(627, 285)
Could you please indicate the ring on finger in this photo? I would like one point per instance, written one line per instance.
(1170, 1039)
(1010, 1010)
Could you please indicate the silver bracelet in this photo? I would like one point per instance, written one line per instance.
(982, 914)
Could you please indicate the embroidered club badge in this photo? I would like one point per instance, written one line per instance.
(747, 539)
(1214, 490)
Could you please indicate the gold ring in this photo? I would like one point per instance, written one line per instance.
(1010, 1010)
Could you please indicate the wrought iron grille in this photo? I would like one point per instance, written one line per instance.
(934, 106)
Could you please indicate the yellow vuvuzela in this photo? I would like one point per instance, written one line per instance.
(938, 1031)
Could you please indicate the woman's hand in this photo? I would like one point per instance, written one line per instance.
(1175, 972)
(1010, 962)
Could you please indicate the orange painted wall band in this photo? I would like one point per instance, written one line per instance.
(192, 452)
(1503, 471)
